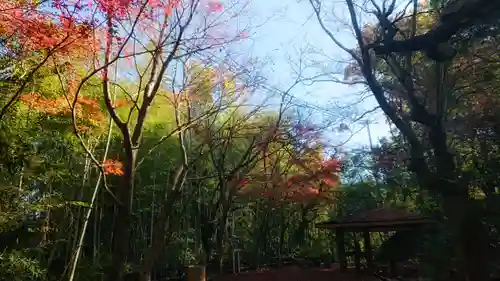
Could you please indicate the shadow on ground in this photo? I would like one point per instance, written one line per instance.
(295, 273)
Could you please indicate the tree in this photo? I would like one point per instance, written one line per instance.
(165, 24)
(455, 17)
(399, 83)
(293, 178)
(197, 103)
(127, 132)
(28, 32)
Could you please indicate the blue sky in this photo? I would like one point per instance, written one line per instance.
(285, 29)
(289, 28)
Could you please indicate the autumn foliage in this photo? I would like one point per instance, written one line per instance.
(87, 109)
(113, 167)
(36, 30)
(311, 177)
(296, 188)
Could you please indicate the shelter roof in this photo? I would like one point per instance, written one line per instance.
(380, 219)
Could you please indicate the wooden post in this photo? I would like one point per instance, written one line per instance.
(339, 238)
(357, 253)
(196, 273)
(235, 245)
(393, 269)
(234, 261)
(238, 265)
(368, 249)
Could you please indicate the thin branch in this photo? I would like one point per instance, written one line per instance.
(316, 4)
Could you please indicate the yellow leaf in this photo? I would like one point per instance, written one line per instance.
(229, 85)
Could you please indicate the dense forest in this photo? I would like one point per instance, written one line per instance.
(135, 141)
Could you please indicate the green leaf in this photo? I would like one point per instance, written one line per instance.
(79, 203)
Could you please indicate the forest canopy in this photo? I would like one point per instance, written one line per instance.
(135, 140)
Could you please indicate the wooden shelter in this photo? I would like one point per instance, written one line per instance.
(366, 222)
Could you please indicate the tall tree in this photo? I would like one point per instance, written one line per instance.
(419, 97)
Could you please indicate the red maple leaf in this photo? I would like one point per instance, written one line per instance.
(332, 165)
(215, 6)
(243, 182)
(113, 167)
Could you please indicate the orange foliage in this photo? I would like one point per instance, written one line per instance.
(86, 109)
(83, 128)
(297, 188)
(120, 103)
(113, 167)
(313, 178)
(34, 30)
(271, 134)
(170, 6)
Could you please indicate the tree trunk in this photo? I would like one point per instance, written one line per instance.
(283, 229)
(220, 236)
(460, 210)
(121, 236)
(470, 237)
(219, 258)
(205, 236)
(475, 250)
(162, 228)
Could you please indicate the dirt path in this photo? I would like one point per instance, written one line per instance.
(294, 273)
